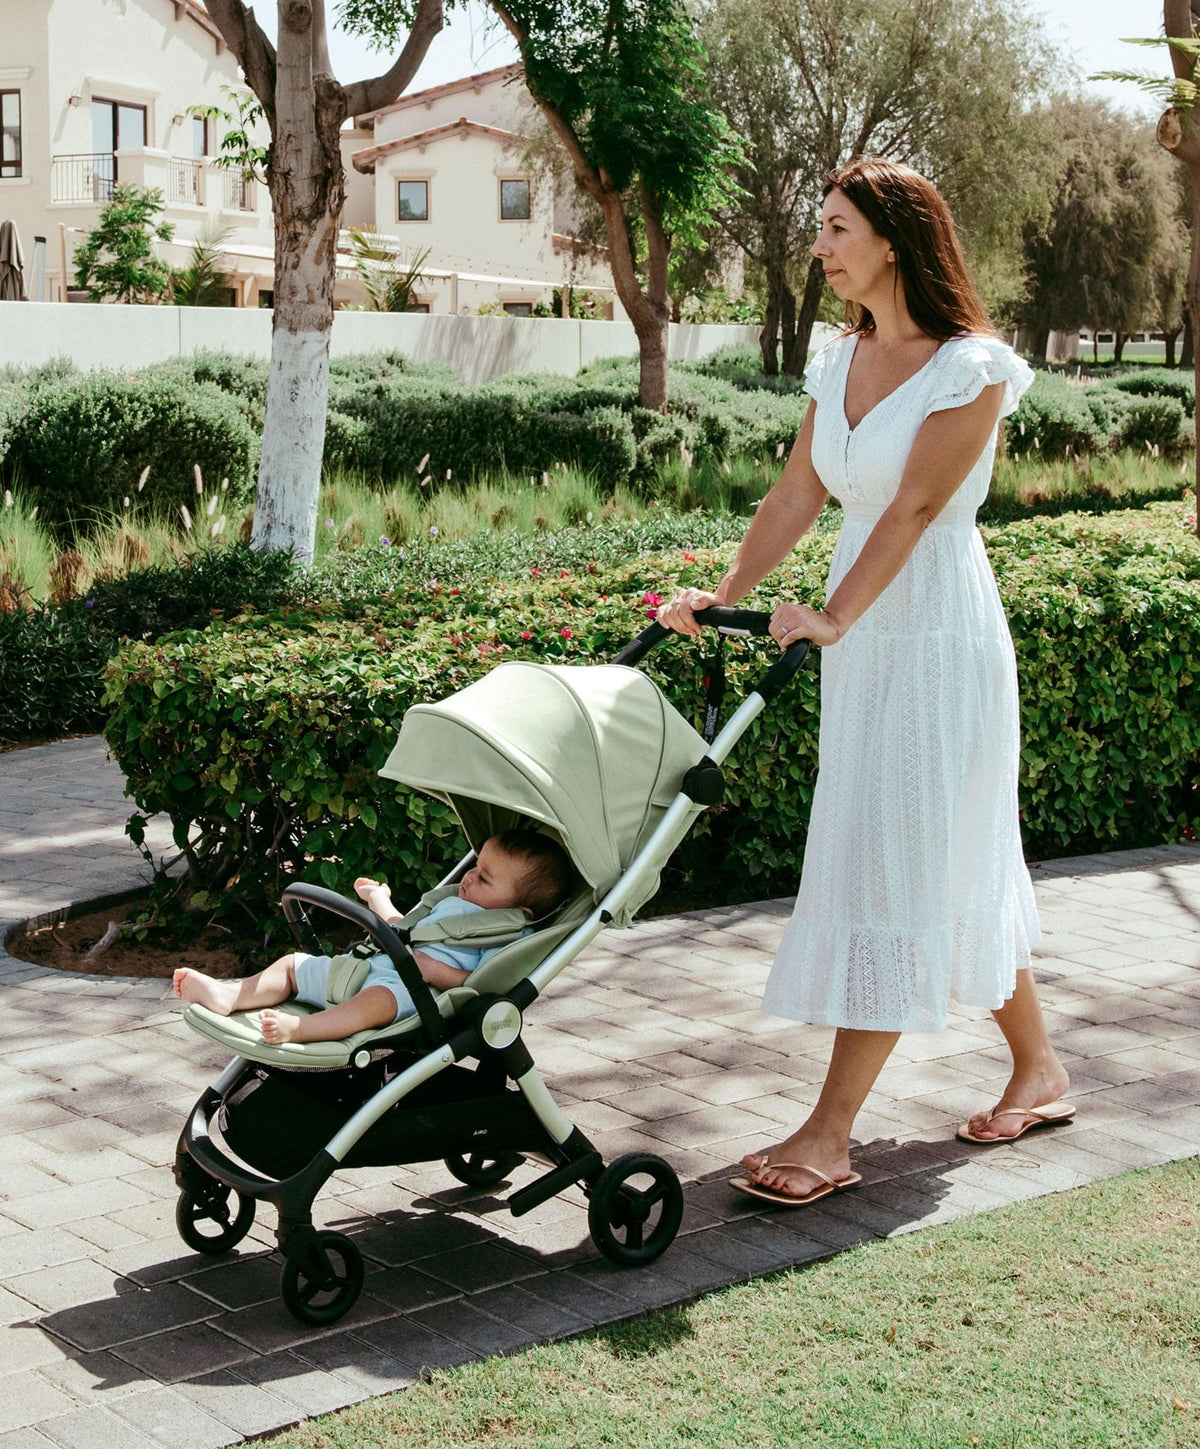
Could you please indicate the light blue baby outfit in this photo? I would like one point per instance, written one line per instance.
(312, 972)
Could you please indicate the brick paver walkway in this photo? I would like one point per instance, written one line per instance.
(117, 1335)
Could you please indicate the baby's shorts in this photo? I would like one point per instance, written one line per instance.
(312, 977)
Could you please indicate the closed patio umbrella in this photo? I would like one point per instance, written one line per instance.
(12, 264)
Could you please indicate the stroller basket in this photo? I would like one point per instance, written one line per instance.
(597, 757)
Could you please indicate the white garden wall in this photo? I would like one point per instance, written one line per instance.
(95, 335)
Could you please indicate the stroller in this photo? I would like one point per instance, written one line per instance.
(593, 755)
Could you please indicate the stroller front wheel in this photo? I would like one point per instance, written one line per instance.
(635, 1209)
(194, 1210)
(334, 1288)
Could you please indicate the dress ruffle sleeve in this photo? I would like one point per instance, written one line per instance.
(818, 373)
(964, 366)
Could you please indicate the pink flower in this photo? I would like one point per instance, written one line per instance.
(456, 591)
(591, 568)
(563, 574)
(535, 573)
(689, 558)
(525, 634)
(651, 613)
(566, 633)
(652, 599)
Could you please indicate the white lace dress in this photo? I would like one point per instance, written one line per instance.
(914, 888)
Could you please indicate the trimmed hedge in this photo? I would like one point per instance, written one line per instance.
(261, 739)
(78, 446)
(52, 658)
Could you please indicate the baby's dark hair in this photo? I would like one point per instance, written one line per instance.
(549, 876)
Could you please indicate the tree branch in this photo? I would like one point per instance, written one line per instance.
(255, 53)
(369, 95)
(1177, 22)
(595, 180)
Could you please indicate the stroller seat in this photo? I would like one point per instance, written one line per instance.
(241, 1031)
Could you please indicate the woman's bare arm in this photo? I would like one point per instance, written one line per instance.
(787, 512)
(945, 451)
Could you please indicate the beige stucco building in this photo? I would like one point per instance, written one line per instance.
(95, 93)
(99, 92)
(449, 178)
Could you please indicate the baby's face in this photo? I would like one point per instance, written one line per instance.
(493, 880)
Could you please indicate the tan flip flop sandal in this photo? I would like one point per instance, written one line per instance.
(1053, 1114)
(826, 1186)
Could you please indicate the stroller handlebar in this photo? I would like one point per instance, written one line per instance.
(300, 894)
(755, 622)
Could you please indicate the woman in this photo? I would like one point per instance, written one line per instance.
(914, 888)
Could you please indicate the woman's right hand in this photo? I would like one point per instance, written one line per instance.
(679, 613)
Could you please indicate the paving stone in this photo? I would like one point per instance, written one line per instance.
(184, 1353)
(170, 1419)
(110, 1321)
(28, 1399)
(95, 1428)
(292, 1379)
(269, 1327)
(243, 1406)
(418, 1348)
(462, 1322)
(485, 1265)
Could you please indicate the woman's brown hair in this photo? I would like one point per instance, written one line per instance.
(908, 212)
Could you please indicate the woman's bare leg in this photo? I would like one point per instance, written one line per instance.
(267, 988)
(824, 1139)
(1038, 1077)
(374, 1007)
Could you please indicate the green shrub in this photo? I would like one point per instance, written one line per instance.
(271, 731)
(78, 447)
(1159, 382)
(1055, 418)
(1155, 422)
(52, 658)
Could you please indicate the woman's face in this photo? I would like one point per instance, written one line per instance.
(853, 254)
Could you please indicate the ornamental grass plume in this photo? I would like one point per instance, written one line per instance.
(64, 576)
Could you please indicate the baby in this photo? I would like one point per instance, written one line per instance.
(518, 868)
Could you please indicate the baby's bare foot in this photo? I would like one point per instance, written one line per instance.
(218, 996)
(278, 1026)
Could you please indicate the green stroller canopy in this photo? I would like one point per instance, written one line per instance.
(594, 752)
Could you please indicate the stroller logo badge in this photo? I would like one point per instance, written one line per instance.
(501, 1025)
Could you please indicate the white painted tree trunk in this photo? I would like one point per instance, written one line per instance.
(289, 474)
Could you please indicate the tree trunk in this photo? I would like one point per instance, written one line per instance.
(1119, 341)
(1193, 316)
(795, 361)
(1169, 346)
(1186, 350)
(768, 338)
(650, 309)
(307, 190)
(787, 325)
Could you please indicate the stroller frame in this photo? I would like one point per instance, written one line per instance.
(630, 1224)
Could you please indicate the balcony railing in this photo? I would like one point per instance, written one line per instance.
(185, 181)
(239, 192)
(83, 178)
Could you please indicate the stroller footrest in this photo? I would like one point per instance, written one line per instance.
(554, 1182)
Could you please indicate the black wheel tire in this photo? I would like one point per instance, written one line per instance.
(479, 1169)
(213, 1208)
(634, 1223)
(313, 1301)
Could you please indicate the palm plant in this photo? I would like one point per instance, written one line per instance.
(390, 281)
(200, 284)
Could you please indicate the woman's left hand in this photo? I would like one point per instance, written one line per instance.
(792, 622)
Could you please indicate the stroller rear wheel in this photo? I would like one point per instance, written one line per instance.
(334, 1287)
(635, 1209)
(479, 1169)
(212, 1207)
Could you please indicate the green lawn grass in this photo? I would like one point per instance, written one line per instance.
(1068, 1322)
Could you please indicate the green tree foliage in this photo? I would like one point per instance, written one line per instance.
(1093, 261)
(953, 90)
(116, 258)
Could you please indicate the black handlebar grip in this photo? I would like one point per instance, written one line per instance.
(300, 892)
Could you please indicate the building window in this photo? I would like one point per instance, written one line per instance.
(518, 309)
(412, 201)
(266, 298)
(10, 133)
(199, 137)
(115, 127)
(514, 201)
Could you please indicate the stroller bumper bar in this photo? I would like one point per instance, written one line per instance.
(746, 622)
(300, 894)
